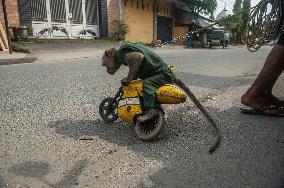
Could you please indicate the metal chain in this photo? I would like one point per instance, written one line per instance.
(196, 31)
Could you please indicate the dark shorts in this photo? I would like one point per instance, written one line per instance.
(281, 40)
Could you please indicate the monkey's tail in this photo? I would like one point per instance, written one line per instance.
(204, 112)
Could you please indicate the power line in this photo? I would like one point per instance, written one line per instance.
(258, 36)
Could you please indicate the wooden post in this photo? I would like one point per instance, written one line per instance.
(3, 38)
(7, 26)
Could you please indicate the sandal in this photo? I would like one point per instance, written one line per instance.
(274, 111)
(276, 101)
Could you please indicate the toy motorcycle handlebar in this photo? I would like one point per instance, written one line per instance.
(119, 92)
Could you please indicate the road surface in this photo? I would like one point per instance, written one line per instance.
(46, 106)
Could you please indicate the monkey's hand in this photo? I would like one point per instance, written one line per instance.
(124, 81)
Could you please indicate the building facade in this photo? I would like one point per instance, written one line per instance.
(12, 13)
(148, 20)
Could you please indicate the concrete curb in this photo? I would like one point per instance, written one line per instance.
(27, 59)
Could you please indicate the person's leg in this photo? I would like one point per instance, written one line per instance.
(274, 100)
(257, 94)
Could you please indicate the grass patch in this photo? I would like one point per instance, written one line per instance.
(20, 49)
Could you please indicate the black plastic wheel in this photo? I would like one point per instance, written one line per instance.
(149, 130)
(107, 111)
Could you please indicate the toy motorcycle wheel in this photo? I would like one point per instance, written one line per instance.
(151, 129)
(107, 110)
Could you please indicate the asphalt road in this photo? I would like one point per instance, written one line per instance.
(47, 105)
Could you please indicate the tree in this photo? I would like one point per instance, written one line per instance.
(206, 7)
(246, 15)
(237, 21)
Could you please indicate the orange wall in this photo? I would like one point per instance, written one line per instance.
(139, 21)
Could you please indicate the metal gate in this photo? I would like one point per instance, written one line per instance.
(65, 18)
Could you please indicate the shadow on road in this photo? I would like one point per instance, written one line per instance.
(250, 155)
(247, 157)
(214, 82)
(118, 132)
(2, 182)
(40, 169)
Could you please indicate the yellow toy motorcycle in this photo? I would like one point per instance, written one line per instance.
(127, 105)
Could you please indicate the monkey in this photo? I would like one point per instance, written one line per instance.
(147, 65)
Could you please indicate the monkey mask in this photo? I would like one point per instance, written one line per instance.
(109, 61)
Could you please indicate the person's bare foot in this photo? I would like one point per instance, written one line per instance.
(259, 103)
(263, 104)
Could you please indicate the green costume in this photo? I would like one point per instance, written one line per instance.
(154, 71)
